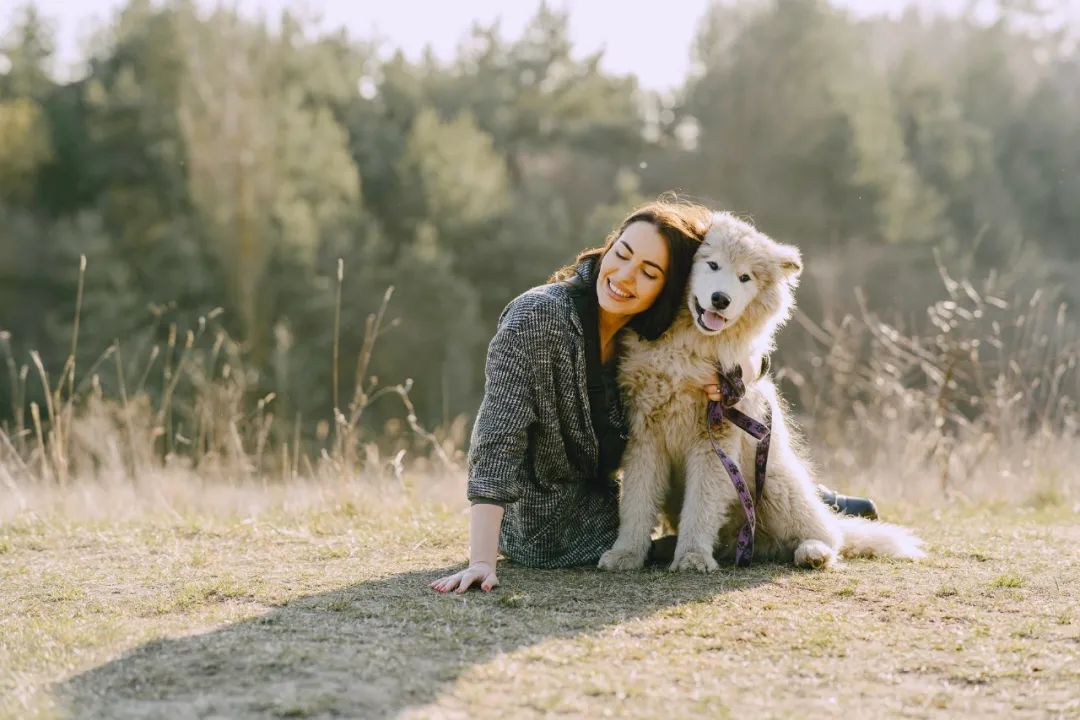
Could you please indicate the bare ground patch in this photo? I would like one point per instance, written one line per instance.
(327, 614)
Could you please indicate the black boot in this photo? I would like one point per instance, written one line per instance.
(662, 550)
(846, 505)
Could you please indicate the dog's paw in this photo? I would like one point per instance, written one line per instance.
(622, 559)
(814, 554)
(695, 560)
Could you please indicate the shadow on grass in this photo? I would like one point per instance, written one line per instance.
(377, 648)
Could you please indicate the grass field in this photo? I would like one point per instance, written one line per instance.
(180, 553)
(326, 613)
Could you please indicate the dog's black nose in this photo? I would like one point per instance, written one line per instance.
(720, 300)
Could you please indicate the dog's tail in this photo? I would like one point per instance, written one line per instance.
(869, 538)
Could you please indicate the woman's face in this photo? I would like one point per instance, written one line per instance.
(633, 271)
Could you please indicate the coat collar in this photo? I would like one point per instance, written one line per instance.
(583, 291)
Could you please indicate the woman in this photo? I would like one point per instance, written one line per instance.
(550, 431)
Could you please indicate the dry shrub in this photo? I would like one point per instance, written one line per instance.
(207, 441)
(982, 406)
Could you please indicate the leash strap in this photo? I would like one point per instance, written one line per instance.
(732, 391)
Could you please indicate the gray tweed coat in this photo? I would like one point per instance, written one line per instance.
(533, 447)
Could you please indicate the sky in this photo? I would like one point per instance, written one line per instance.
(629, 31)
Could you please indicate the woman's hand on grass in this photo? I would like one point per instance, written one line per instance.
(484, 522)
(478, 572)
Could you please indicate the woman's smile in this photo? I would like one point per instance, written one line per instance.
(618, 293)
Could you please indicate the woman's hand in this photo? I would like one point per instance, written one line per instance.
(712, 389)
(482, 572)
(750, 372)
(484, 522)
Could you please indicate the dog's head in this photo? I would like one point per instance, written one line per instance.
(742, 281)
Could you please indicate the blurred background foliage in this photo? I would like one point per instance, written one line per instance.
(208, 161)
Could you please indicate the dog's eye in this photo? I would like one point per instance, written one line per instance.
(712, 265)
(744, 278)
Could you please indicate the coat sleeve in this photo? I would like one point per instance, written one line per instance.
(498, 449)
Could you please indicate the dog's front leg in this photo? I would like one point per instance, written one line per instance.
(704, 511)
(645, 477)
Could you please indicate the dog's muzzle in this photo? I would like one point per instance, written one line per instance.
(709, 320)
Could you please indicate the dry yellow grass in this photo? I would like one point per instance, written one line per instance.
(324, 611)
(182, 559)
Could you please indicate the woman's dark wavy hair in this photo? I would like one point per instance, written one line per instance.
(683, 225)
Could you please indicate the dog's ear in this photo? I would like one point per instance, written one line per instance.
(789, 260)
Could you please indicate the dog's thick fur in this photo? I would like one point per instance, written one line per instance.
(669, 463)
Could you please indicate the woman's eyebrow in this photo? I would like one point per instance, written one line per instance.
(647, 262)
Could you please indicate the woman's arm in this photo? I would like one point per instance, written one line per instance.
(484, 522)
(497, 449)
(500, 436)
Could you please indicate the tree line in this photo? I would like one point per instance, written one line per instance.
(210, 161)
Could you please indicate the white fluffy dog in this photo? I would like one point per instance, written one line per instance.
(739, 293)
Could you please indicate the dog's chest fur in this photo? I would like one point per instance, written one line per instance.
(663, 385)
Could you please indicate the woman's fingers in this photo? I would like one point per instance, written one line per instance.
(447, 583)
(712, 391)
(465, 579)
(468, 578)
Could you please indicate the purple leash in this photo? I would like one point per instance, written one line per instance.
(732, 391)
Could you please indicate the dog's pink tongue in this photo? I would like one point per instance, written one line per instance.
(712, 320)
